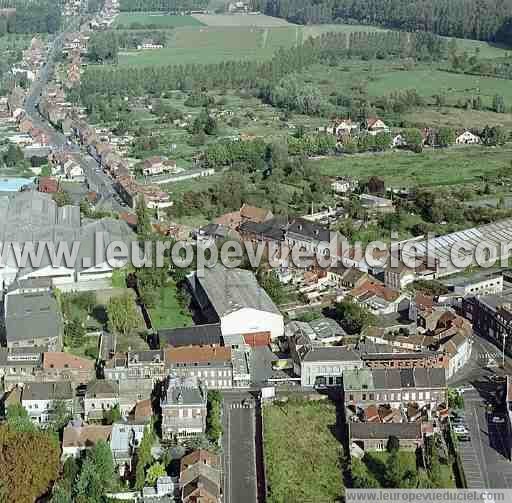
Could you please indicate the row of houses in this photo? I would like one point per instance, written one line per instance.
(344, 128)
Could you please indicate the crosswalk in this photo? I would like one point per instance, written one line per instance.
(495, 355)
(239, 405)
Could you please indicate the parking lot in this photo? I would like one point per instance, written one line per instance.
(485, 455)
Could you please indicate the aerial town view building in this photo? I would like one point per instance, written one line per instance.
(255, 251)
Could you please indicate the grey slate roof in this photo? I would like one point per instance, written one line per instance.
(102, 388)
(329, 354)
(183, 391)
(47, 391)
(198, 335)
(31, 315)
(230, 290)
(385, 430)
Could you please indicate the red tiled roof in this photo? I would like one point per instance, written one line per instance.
(60, 360)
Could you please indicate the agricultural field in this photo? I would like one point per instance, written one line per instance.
(240, 20)
(316, 446)
(457, 118)
(428, 82)
(216, 43)
(126, 19)
(433, 167)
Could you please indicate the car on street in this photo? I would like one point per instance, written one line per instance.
(464, 438)
(460, 429)
(498, 419)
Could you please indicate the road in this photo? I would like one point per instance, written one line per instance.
(97, 179)
(485, 457)
(239, 448)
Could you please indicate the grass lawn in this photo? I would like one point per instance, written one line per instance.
(302, 455)
(450, 166)
(428, 82)
(160, 20)
(375, 463)
(458, 118)
(168, 313)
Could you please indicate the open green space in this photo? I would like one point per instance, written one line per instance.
(214, 45)
(168, 312)
(302, 465)
(428, 82)
(374, 465)
(126, 19)
(451, 166)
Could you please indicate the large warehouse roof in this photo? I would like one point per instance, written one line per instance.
(495, 235)
(230, 290)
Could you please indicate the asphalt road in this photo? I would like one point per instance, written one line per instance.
(239, 450)
(97, 179)
(485, 458)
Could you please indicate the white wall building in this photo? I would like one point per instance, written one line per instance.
(234, 297)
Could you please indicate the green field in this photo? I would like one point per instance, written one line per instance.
(162, 21)
(214, 44)
(428, 82)
(431, 168)
(302, 465)
(168, 312)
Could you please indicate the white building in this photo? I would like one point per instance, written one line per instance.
(234, 297)
(467, 138)
(101, 396)
(324, 366)
(39, 399)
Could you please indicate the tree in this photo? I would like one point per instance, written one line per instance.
(413, 139)
(30, 463)
(445, 136)
(394, 470)
(60, 415)
(498, 104)
(144, 456)
(361, 477)
(354, 317)
(155, 471)
(61, 494)
(74, 333)
(62, 198)
(112, 415)
(122, 314)
(393, 444)
(213, 418)
(18, 418)
(271, 284)
(143, 219)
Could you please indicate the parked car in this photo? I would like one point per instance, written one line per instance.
(464, 438)
(460, 429)
(498, 419)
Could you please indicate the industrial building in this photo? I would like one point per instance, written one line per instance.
(234, 298)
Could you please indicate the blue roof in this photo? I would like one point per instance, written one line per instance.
(14, 184)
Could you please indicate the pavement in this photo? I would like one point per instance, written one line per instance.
(484, 458)
(239, 448)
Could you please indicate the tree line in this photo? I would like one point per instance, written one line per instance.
(329, 48)
(476, 19)
(36, 16)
